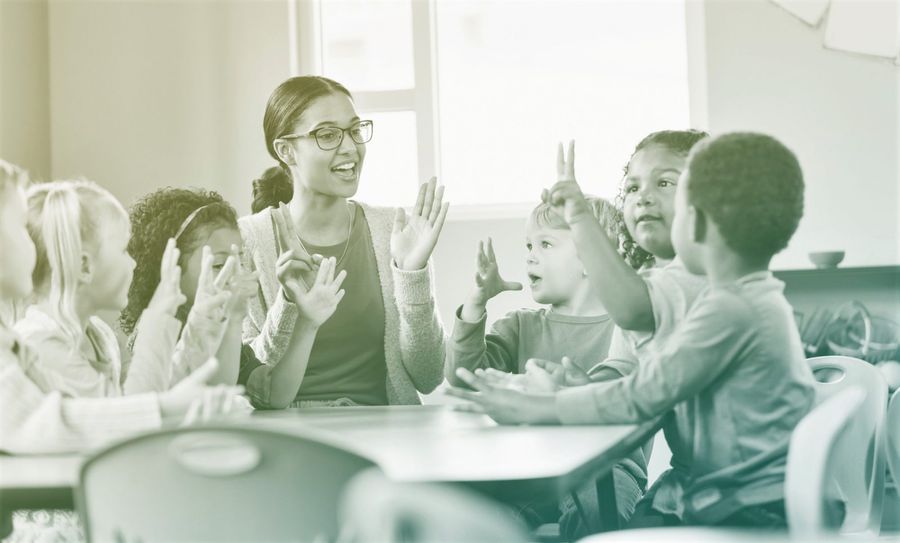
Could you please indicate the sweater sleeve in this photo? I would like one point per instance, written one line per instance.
(422, 339)
(153, 351)
(35, 422)
(469, 347)
(266, 328)
(711, 338)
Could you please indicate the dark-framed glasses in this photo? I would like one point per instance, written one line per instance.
(331, 137)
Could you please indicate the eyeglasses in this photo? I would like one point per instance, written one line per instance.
(331, 137)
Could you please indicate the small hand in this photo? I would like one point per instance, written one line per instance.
(190, 395)
(565, 196)
(487, 277)
(212, 298)
(242, 285)
(504, 405)
(319, 302)
(167, 297)
(566, 374)
(413, 239)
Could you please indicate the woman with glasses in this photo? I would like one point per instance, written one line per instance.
(384, 341)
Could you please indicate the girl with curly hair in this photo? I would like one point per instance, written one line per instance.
(204, 227)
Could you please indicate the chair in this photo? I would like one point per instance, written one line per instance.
(222, 483)
(376, 509)
(812, 463)
(861, 457)
(892, 438)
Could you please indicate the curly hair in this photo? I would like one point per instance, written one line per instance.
(751, 186)
(154, 219)
(676, 141)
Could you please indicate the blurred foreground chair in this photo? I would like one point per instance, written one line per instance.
(215, 483)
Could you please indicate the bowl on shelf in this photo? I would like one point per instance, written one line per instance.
(826, 259)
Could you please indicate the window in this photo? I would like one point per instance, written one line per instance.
(480, 92)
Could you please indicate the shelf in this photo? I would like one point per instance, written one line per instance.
(868, 272)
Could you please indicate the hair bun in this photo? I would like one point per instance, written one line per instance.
(272, 188)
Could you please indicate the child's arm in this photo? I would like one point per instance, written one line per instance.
(715, 333)
(206, 325)
(275, 386)
(468, 346)
(622, 291)
(157, 330)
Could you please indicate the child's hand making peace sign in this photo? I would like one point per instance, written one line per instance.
(566, 196)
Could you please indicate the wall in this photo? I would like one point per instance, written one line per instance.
(24, 85)
(768, 71)
(150, 94)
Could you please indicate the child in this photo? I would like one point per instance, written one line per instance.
(574, 325)
(196, 219)
(81, 231)
(645, 305)
(734, 368)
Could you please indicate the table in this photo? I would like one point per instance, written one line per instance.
(410, 444)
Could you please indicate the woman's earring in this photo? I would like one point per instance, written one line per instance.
(584, 273)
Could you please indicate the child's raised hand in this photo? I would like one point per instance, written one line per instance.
(565, 196)
(319, 301)
(488, 282)
(242, 285)
(167, 297)
(212, 298)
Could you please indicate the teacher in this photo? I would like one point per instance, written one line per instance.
(384, 341)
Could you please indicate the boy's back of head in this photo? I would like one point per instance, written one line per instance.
(751, 186)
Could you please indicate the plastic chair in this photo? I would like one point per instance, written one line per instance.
(861, 477)
(812, 465)
(221, 483)
(892, 438)
(376, 509)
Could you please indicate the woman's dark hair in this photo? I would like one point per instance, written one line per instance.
(286, 104)
(273, 187)
(677, 141)
(154, 219)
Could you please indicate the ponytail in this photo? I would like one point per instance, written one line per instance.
(64, 216)
(272, 188)
(59, 251)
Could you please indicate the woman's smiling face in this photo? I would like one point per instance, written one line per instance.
(335, 172)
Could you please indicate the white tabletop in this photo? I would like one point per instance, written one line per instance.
(410, 443)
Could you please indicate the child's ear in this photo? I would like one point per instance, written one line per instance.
(285, 152)
(698, 225)
(87, 268)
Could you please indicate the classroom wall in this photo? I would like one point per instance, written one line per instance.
(24, 85)
(150, 94)
(768, 71)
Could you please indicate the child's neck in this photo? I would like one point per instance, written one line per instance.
(726, 266)
(582, 304)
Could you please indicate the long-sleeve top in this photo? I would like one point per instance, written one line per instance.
(735, 371)
(414, 340)
(91, 366)
(36, 421)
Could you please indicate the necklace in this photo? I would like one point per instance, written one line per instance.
(346, 243)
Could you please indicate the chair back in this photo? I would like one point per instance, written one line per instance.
(215, 483)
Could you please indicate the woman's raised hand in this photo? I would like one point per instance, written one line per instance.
(319, 301)
(295, 269)
(414, 237)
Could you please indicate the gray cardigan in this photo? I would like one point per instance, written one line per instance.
(414, 339)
